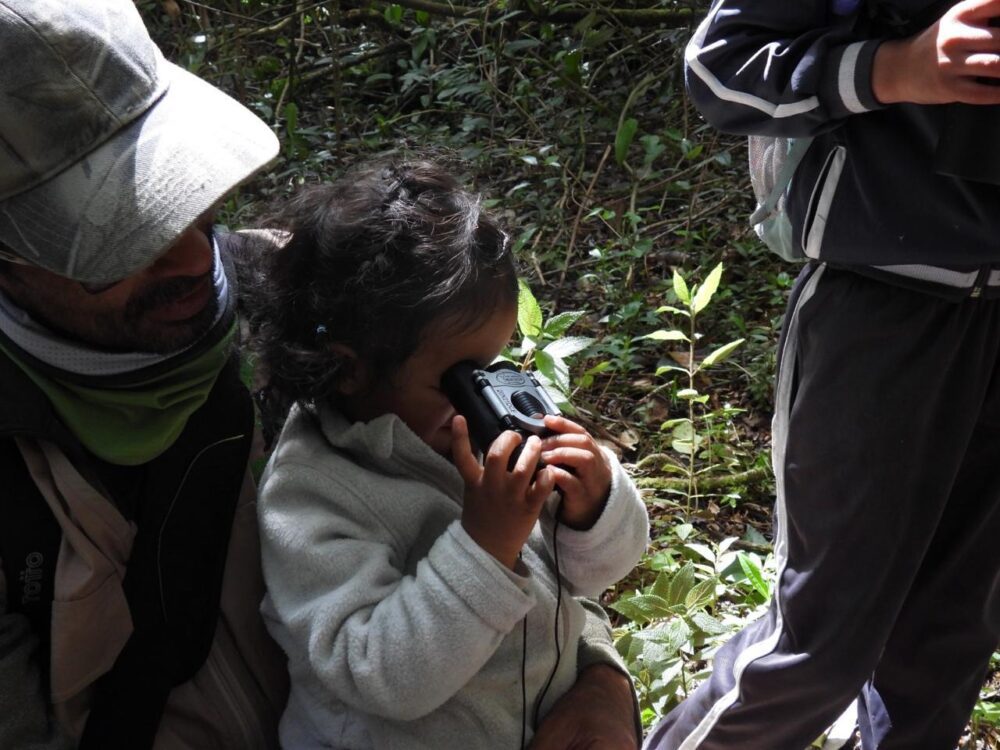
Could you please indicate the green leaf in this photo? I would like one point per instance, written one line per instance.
(635, 647)
(670, 368)
(584, 24)
(519, 45)
(568, 346)
(523, 238)
(655, 654)
(987, 711)
(291, 117)
(642, 608)
(702, 550)
(571, 64)
(753, 573)
(726, 543)
(672, 309)
(708, 624)
(529, 314)
(681, 288)
(557, 325)
(554, 369)
(394, 13)
(670, 635)
(684, 438)
(687, 394)
(683, 530)
(720, 354)
(682, 582)
(661, 586)
(418, 49)
(753, 536)
(653, 148)
(700, 596)
(662, 335)
(708, 288)
(624, 137)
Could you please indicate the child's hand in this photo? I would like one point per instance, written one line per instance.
(586, 487)
(501, 507)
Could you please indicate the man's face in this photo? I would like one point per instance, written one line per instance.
(162, 308)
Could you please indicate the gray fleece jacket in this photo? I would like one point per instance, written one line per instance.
(401, 631)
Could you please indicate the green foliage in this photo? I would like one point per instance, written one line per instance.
(545, 344)
(699, 596)
(701, 435)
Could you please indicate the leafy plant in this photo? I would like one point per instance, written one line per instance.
(692, 435)
(544, 343)
(700, 595)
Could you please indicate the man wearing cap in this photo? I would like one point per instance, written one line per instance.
(129, 562)
(130, 587)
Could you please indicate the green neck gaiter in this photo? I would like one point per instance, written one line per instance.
(133, 425)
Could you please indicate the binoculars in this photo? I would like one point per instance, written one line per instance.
(498, 398)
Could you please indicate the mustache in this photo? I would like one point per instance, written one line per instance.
(163, 293)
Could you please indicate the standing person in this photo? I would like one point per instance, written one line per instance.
(131, 583)
(416, 592)
(887, 414)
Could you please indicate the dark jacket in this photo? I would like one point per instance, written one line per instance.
(867, 191)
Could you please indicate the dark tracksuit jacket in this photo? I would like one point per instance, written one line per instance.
(887, 409)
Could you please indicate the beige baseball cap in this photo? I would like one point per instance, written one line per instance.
(107, 151)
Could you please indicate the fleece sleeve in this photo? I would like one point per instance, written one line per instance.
(774, 67)
(592, 560)
(381, 642)
(26, 721)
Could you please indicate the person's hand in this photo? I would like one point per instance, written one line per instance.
(580, 469)
(940, 65)
(500, 507)
(597, 713)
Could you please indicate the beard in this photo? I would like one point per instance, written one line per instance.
(141, 332)
(132, 327)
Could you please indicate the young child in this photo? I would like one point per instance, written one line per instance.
(413, 587)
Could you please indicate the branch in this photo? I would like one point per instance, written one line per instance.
(627, 16)
(751, 477)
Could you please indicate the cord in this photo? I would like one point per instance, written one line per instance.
(524, 688)
(555, 560)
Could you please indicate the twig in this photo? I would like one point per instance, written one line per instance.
(350, 61)
(579, 217)
(295, 62)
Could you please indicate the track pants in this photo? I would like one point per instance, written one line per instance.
(887, 460)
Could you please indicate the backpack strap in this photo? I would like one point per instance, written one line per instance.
(30, 538)
(173, 582)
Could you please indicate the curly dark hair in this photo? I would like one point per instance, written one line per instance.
(371, 261)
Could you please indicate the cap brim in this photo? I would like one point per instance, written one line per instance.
(116, 210)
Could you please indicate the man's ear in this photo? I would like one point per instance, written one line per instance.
(353, 373)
